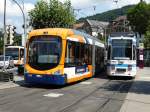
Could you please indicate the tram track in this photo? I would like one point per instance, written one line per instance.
(107, 97)
(97, 97)
(74, 103)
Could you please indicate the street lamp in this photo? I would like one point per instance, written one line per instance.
(4, 33)
(5, 25)
(23, 16)
(22, 4)
(24, 20)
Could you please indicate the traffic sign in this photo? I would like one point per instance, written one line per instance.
(141, 45)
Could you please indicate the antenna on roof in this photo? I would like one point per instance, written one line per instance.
(94, 7)
(78, 10)
(141, 0)
(116, 1)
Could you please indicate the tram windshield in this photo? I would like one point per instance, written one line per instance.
(122, 49)
(44, 52)
(13, 52)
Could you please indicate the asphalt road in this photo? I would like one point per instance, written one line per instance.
(97, 94)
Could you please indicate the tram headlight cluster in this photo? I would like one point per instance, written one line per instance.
(58, 72)
(129, 67)
(25, 70)
(113, 67)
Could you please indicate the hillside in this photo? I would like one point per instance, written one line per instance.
(1, 34)
(108, 15)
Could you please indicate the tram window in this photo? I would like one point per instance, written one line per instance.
(82, 52)
(86, 54)
(109, 52)
(70, 54)
(134, 53)
(90, 54)
(79, 51)
(98, 55)
(78, 54)
(21, 53)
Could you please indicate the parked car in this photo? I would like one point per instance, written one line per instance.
(9, 63)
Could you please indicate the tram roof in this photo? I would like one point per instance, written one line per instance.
(123, 34)
(63, 33)
(51, 31)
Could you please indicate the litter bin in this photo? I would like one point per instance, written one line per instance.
(20, 70)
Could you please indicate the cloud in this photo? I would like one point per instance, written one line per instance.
(81, 3)
(13, 13)
(12, 9)
(9, 21)
(102, 4)
(1, 24)
(87, 6)
(29, 6)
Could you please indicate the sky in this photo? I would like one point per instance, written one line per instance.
(14, 15)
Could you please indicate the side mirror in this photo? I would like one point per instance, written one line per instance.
(69, 45)
(26, 45)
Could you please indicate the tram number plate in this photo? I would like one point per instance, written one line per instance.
(121, 70)
(39, 76)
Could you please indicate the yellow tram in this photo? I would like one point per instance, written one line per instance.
(60, 56)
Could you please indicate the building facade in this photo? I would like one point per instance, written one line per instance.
(92, 27)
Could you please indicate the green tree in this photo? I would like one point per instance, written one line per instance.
(52, 14)
(17, 40)
(1, 47)
(147, 38)
(1, 42)
(139, 17)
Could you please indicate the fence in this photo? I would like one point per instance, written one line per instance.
(147, 57)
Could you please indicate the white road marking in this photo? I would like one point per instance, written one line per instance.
(86, 83)
(53, 95)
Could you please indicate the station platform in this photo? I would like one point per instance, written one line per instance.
(138, 97)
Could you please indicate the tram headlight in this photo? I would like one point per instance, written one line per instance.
(25, 70)
(129, 67)
(113, 67)
(58, 72)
